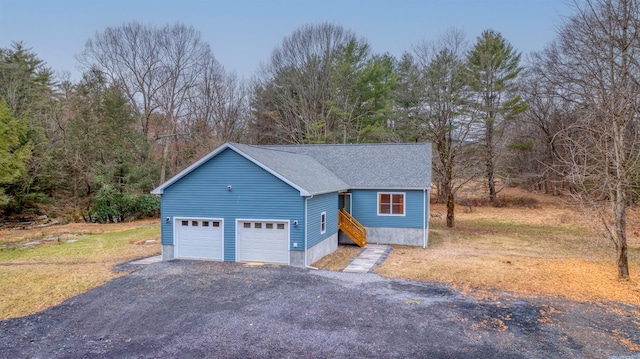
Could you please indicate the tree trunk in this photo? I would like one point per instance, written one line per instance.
(490, 167)
(165, 158)
(620, 211)
(621, 240)
(623, 263)
(491, 182)
(451, 204)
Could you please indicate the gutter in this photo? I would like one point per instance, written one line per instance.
(306, 229)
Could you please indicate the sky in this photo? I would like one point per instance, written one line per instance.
(243, 33)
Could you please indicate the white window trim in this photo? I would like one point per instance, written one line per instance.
(404, 204)
(323, 215)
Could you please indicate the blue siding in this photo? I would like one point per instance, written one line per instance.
(255, 193)
(315, 206)
(365, 210)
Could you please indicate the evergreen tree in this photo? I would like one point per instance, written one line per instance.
(15, 150)
(494, 67)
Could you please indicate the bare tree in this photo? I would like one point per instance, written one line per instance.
(595, 64)
(185, 57)
(293, 94)
(218, 112)
(130, 57)
(536, 134)
(447, 115)
(157, 69)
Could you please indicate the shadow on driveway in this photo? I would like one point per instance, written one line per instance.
(193, 309)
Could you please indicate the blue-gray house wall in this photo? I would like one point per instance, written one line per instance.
(320, 244)
(323, 203)
(409, 229)
(255, 193)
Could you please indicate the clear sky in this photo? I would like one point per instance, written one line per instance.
(242, 33)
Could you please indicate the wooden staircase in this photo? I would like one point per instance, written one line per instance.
(352, 228)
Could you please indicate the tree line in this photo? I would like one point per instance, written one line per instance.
(152, 100)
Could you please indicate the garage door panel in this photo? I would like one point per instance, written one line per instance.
(263, 241)
(199, 239)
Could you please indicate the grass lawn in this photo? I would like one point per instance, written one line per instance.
(548, 250)
(545, 250)
(68, 261)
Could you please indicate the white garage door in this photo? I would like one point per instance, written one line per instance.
(198, 238)
(263, 241)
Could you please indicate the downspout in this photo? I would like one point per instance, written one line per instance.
(306, 229)
(424, 219)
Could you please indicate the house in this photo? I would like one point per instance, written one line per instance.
(291, 204)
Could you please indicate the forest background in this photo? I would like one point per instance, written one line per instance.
(152, 100)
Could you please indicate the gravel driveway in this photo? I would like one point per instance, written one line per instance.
(192, 309)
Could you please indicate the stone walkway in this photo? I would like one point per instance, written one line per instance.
(372, 255)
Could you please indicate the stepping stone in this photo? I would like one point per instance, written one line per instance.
(148, 260)
(368, 258)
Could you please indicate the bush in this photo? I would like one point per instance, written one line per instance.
(501, 202)
(111, 206)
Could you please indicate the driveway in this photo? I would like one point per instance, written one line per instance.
(192, 309)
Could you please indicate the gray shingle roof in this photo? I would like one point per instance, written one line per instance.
(384, 166)
(316, 169)
(299, 169)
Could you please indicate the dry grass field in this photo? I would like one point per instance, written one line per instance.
(551, 249)
(44, 266)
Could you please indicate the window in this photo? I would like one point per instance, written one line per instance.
(247, 225)
(323, 222)
(205, 223)
(391, 204)
(185, 223)
(269, 226)
(215, 224)
(194, 223)
(257, 225)
(280, 225)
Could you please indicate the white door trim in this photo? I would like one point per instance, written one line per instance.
(288, 222)
(175, 229)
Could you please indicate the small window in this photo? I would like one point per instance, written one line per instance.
(257, 225)
(391, 204)
(247, 224)
(185, 223)
(194, 223)
(215, 224)
(269, 226)
(323, 222)
(280, 225)
(205, 223)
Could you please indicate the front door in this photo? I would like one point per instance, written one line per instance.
(345, 202)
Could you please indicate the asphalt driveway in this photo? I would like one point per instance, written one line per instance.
(191, 309)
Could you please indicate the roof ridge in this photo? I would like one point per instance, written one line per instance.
(345, 144)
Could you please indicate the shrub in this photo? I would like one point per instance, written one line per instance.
(111, 206)
(501, 202)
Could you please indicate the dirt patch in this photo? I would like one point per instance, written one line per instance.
(549, 249)
(339, 259)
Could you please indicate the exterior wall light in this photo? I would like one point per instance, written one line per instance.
(229, 188)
